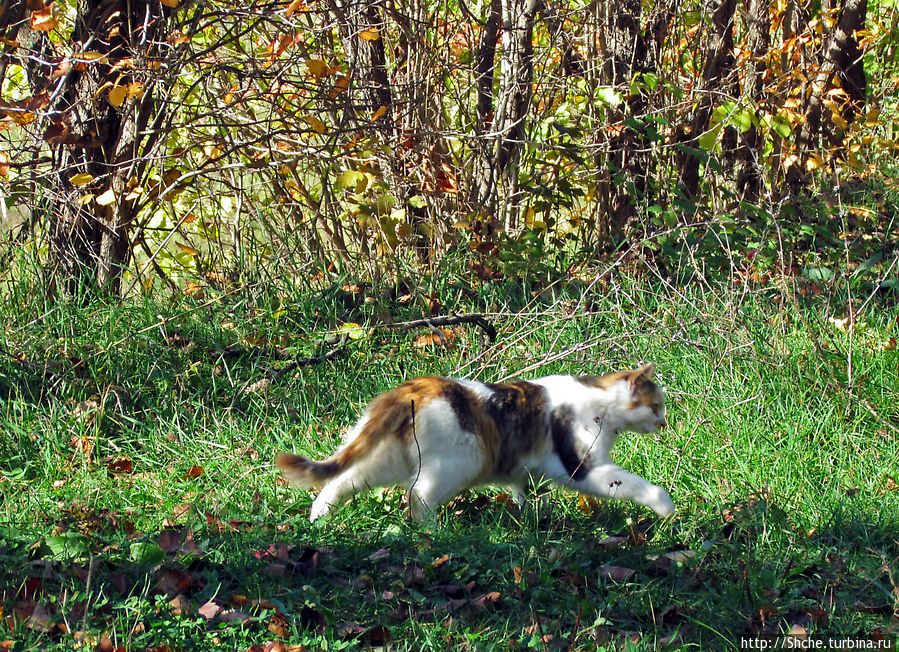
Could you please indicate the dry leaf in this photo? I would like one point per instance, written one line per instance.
(317, 67)
(121, 465)
(4, 164)
(190, 251)
(616, 573)
(371, 34)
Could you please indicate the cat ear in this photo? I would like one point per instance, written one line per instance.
(641, 375)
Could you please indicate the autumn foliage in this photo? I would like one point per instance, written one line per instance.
(155, 142)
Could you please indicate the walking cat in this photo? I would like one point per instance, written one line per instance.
(439, 436)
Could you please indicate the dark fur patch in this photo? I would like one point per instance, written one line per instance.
(518, 415)
(575, 460)
(461, 400)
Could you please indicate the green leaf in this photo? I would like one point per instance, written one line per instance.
(144, 552)
(349, 179)
(68, 545)
(781, 126)
(352, 330)
(417, 201)
(608, 95)
(868, 264)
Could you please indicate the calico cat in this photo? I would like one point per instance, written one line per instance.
(439, 436)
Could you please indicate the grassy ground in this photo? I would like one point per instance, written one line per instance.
(139, 507)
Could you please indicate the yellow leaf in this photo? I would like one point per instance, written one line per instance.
(190, 251)
(839, 121)
(317, 67)
(81, 179)
(352, 330)
(379, 113)
(21, 118)
(117, 95)
(871, 117)
(135, 89)
(90, 56)
(106, 198)
(814, 161)
(370, 34)
(315, 123)
(85, 199)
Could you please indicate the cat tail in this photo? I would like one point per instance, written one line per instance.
(386, 416)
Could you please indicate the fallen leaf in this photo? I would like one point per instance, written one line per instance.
(173, 581)
(194, 472)
(616, 573)
(311, 618)
(381, 553)
(210, 610)
(121, 465)
(169, 540)
(611, 542)
(180, 605)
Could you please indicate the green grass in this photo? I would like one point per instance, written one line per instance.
(127, 432)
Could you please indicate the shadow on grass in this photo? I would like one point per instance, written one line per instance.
(483, 576)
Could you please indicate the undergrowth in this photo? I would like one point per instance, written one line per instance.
(140, 508)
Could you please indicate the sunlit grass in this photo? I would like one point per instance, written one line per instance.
(121, 423)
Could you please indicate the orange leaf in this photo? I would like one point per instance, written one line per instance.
(379, 113)
(171, 3)
(43, 20)
(294, 7)
(371, 34)
(4, 164)
(194, 472)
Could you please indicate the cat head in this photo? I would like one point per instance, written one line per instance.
(647, 406)
(638, 404)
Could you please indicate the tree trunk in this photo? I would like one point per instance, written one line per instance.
(483, 182)
(361, 27)
(497, 188)
(842, 57)
(100, 129)
(750, 176)
(717, 75)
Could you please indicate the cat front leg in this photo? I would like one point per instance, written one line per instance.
(611, 481)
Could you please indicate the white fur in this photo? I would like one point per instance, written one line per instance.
(444, 459)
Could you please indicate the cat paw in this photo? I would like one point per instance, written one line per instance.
(662, 504)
